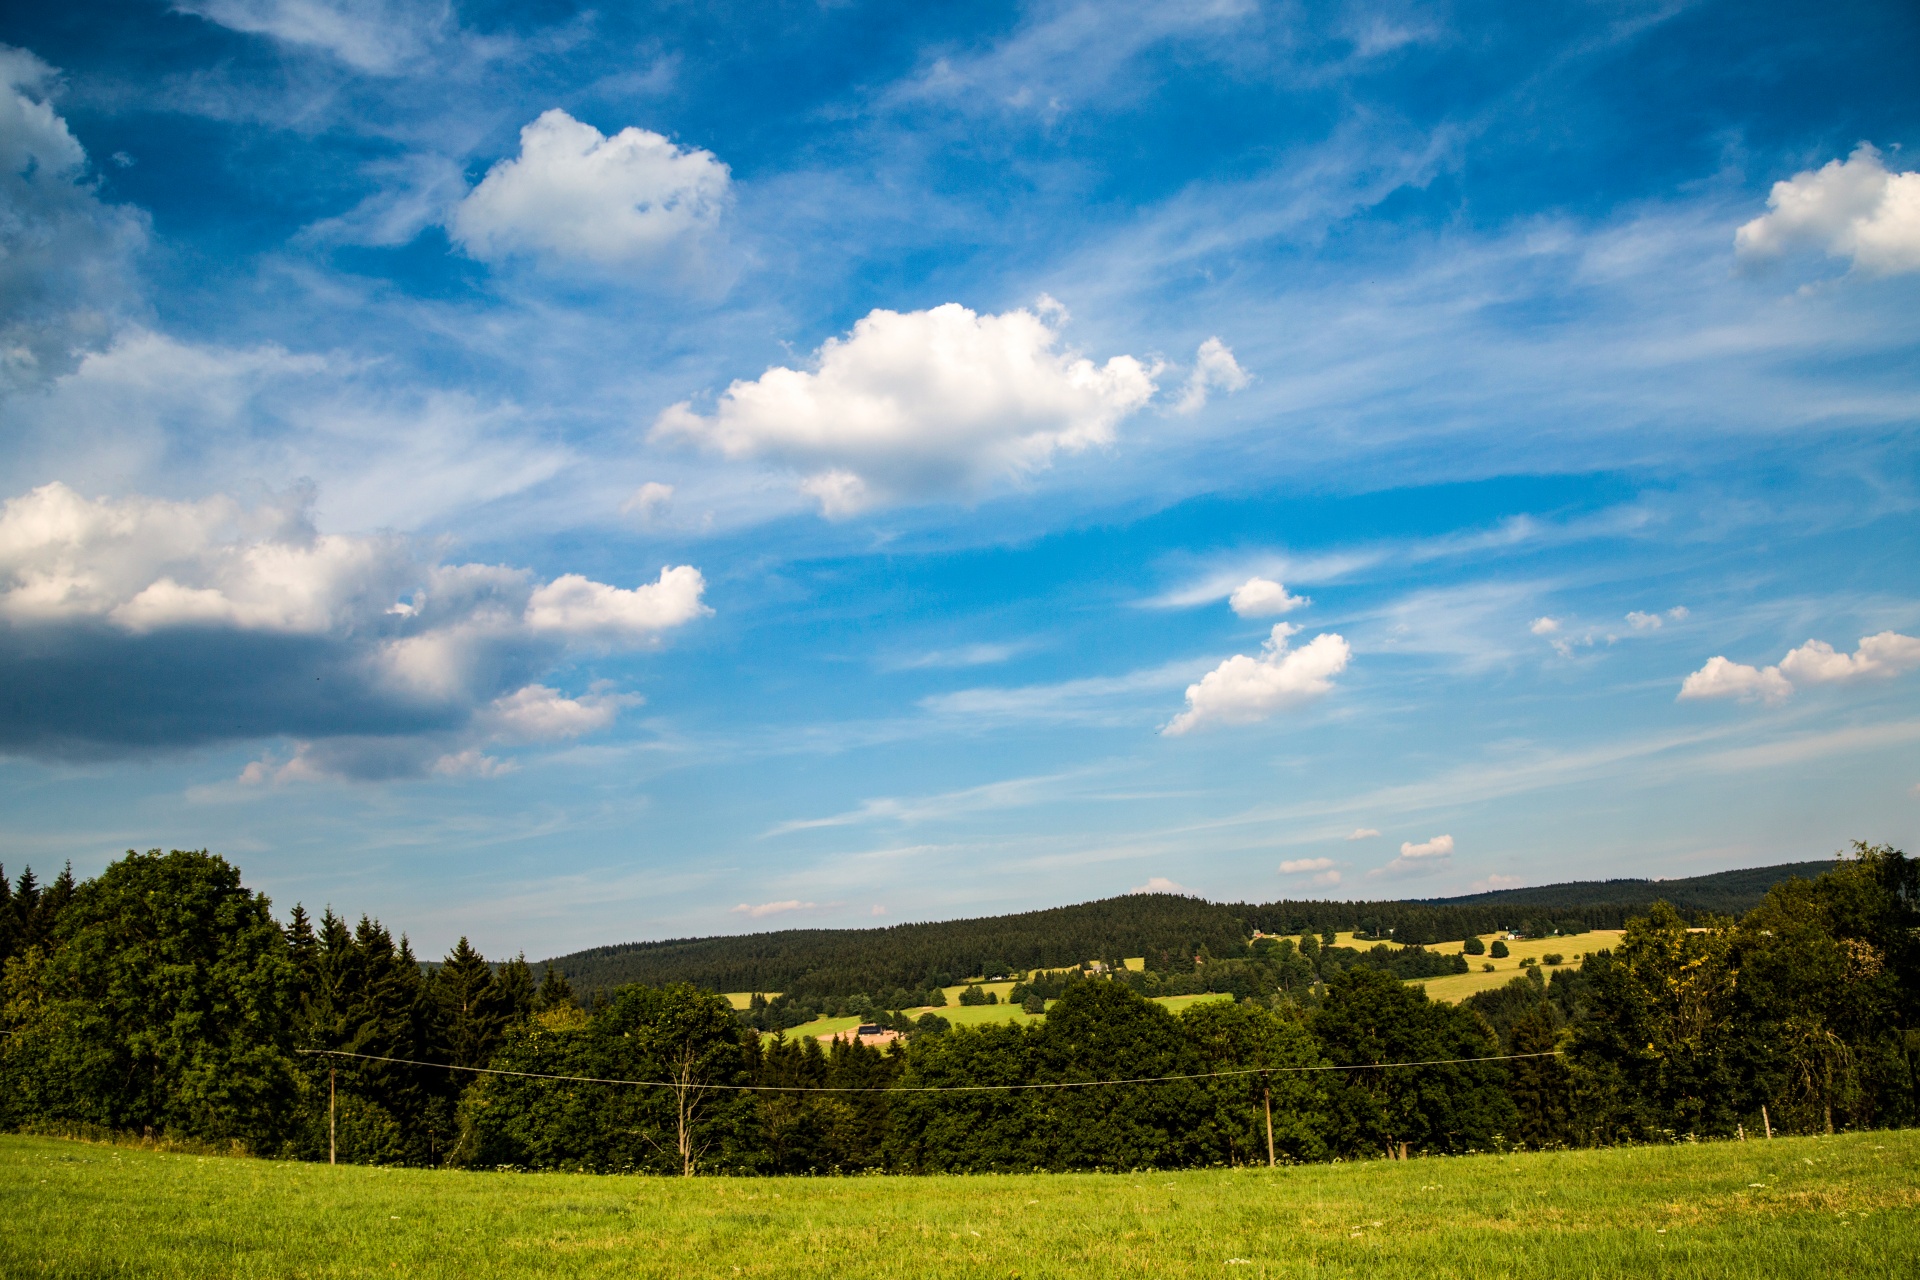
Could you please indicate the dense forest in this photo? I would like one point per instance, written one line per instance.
(827, 963)
(164, 998)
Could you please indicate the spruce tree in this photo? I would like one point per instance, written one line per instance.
(475, 1008)
(556, 992)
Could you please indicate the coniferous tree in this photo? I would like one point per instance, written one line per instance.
(1541, 1088)
(513, 992)
(366, 996)
(556, 993)
(472, 1017)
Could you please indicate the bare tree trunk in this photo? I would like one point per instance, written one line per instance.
(687, 1107)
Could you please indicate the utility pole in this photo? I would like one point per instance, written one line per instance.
(332, 1149)
(1267, 1091)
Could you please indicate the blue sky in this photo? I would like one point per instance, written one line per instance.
(564, 475)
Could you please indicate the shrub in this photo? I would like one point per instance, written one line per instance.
(1528, 962)
(1034, 1003)
(1487, 967)
(1475, 947)
(974, 993)
(1499, 951)
(1552, 957)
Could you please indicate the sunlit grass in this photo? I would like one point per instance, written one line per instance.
(1820, 1207)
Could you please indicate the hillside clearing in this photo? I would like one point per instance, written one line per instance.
(1815, 1207)
(974, 1015)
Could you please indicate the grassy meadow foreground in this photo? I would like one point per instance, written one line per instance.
(1840, 1206)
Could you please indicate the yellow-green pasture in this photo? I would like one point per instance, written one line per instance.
(971, 1015)
(1805, 1207)
(1455, 987)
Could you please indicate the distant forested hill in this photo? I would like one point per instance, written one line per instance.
(1723, 892)
(1166, 928)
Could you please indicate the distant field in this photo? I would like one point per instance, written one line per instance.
(1456, 987)
(1820, 1208)
(1451, 988)
(971, 1015)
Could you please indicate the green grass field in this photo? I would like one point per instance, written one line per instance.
(1847, 1206)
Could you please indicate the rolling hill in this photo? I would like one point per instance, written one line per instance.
(914, 956)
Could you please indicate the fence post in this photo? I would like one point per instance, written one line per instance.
(332, 1149)
(1764, 1120)
(1267, 1091)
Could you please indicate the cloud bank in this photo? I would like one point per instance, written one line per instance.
(143, 623)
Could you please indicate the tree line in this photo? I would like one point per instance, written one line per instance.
(163, 997)
(1167, 929)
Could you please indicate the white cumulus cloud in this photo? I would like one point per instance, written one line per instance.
(1214, 369)
(1160, 884)
(537, 713)
(580, 608)
(920, 404)
(1722, 678)
(1880, 656)
(1363, 833)
(1246, 689)
(1544, 626)
(1262, 598)
(1884, 655)
(574, 195)
(1853, 208)
(1424, 856)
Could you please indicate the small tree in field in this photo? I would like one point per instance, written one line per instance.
(1499, 951)
(690, 1041)
(1475, 947)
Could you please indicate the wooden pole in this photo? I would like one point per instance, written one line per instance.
(332, 1149)
(1267, 1090)
(1765, 1121)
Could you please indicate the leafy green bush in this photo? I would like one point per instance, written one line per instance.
(1475, 947)
(1499, 951)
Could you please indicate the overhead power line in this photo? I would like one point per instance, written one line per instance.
(925, 1088)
